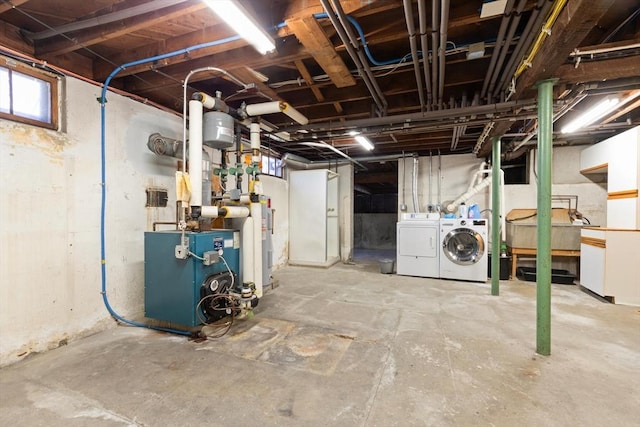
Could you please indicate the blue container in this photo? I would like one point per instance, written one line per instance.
(171, 285)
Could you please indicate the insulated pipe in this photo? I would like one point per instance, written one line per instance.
(408, 15)
(439, 179)
(276, 107)
(254, 130)
(256, 214)
(506, 17)
(246, 231)
(513, 26)
(543, 257)
(195, 155)
(496, 241)
(444, 23)
(373, 89)
(185, 85)
(424, 41)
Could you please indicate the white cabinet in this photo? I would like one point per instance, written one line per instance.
(314, 237)
(608, 265)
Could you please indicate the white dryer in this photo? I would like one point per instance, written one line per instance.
(464, 249)
(418, 245)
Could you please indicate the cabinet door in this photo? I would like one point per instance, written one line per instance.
(592, 268)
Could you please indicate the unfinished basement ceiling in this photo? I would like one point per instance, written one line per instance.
(474, 83)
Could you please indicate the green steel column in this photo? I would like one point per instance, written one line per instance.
(543, 258)
(495, 217)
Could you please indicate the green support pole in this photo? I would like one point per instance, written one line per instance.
(496, 240)
(543, 257)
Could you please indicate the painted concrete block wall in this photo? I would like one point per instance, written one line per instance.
(50, 228)
(458, 170)
(375, 231)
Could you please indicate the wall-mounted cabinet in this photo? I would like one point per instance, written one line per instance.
(313, 218)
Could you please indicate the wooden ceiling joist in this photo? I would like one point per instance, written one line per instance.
(314, 39)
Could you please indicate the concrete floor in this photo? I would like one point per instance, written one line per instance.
(348, 346)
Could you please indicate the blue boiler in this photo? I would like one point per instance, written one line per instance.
(172, 286)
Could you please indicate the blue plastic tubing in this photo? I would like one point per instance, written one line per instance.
(103, 138)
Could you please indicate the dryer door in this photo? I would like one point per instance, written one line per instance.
(463, 246)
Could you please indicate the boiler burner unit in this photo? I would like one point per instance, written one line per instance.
(195, 281)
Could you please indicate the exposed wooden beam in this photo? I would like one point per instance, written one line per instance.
(576, 20)
(57, 46)
(247, 76)
(608, 69)
(307, 78)
(315, 40)
(216, 32)
(10, 5)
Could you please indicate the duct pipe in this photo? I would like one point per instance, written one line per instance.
(323, 144)
(414, 118)
(408, 15)
(363, 69)
(435, 41)
(414, 185)
(430, 179)
(444, 23)
(424, 41)
(506, 17)
(451, 207)
(543, 257)
(496, 203)
(513, 26)
(524, 43)
(439, 180)
(195, 155)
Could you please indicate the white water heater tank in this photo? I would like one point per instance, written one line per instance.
(217, 130)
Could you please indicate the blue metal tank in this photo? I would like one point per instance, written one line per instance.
(172, 286)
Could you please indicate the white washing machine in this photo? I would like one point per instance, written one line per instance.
(418, 245)
(464, 249)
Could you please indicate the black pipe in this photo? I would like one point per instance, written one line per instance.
(516, 57)
(506, 17)
(513, 26)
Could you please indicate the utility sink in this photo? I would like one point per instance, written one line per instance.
(522, 230)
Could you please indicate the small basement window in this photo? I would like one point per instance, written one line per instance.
(271, 166)
(516, 170)
(28, 95)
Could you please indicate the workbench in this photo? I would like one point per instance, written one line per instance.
(515, 252)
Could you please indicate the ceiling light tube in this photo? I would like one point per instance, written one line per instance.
(598, 111)
(236, 17)
(364, 141)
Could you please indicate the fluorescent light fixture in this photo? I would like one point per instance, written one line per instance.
(598, 111)
(353, 133)
(476, 50)
(364, 141)
(236, 17)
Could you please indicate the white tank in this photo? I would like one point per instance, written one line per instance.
(217, 130)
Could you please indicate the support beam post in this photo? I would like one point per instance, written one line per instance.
(496, 242)
(543, 257)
